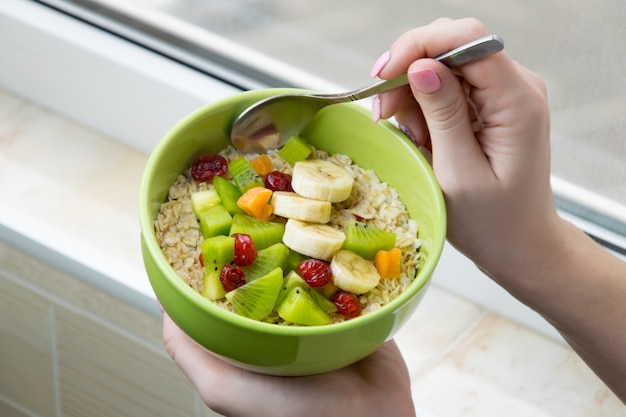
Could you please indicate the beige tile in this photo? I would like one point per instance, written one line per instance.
(105, 371)
(500, 368)
(26, 353)
(80, 295)
(436, 325)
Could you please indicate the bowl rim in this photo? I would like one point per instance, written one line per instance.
(148, 234)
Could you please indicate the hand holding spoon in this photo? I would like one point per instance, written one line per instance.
(269, 123)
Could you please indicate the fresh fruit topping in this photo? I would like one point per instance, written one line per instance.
(293, 259)
(316, 273)
(245, 251)
(263, 234)
(326, 304)
(229, 194)
(388, 263)
(353, 273)
(215, 221)
(202, 200)
(254, 202)
(256, 299)
(244, 175)
(291, 280)
(318, 241)
(231, 277)
(328, 290)
(205, 167)
(261, 164)
(322, 180)
(217, 251)
(212, 287)
(298, 307)
(267, 259)
(365, 239)
(278, 181)
(347, 304)
(295, 149)
(293, 206)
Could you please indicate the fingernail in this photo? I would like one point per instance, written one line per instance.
(425, 81)
(408, 132)
(376, 108)
(380, 64)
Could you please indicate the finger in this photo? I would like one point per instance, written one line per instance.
(411, 122)
(391, 101)
(429, 41)
(444, 105)
(205, 371)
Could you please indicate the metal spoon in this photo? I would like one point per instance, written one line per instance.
(269, 123)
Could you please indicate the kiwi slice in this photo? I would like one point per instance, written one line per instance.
(244, 175)
(217, 251)
(292, 280)
(202, 200)
(267, 259)
(264, 234)
(325, 304)
(215, 221)
(256, 299)
(295, 149)
(365, 240)
(299, 307)
(228, 193)
(293, 259)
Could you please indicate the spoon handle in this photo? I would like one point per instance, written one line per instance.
(464, 54)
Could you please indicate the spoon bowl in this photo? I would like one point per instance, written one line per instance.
(269, 123)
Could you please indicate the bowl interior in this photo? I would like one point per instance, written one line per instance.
(342, 128)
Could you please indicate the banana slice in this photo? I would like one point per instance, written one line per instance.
(353, 273)
(321, 180)
(318, 241)
(293, 206)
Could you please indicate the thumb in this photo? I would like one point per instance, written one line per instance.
(445, 107)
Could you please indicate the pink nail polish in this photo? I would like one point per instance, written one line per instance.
(380, 64)
(426, 80)
(407, 132)
(376, 108)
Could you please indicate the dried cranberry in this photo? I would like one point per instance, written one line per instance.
(347, 304)
(245, 251)
(201, 260)
(278, 181)
(316, 273)
(205, 167)
(232, 277)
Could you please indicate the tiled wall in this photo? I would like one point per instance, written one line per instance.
(67, 350)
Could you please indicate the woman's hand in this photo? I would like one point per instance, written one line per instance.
(487, 124)
(488, 127)
(378, 385)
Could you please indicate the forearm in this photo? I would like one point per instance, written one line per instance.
(580, 288)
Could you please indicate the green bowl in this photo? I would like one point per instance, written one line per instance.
(287, 350)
